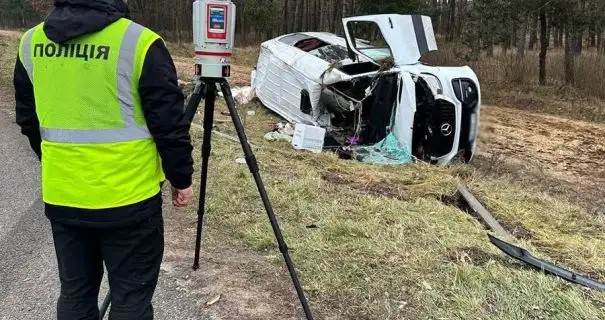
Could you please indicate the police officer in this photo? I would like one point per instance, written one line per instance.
(97, 96)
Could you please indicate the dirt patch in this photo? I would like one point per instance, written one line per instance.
(246, 285)
(10, 34)
(516, 229)
(566, 148)
(6, 98)
(562, 150)
(371, 187)
(455, 200)
(249, 285)
(472, 255)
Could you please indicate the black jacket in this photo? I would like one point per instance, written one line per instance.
(161, 98)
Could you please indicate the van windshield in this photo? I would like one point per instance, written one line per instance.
(369, 40)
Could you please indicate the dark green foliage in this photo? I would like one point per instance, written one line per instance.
(17, 13)
(393, 6)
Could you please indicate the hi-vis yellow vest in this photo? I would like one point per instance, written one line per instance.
(97, 152)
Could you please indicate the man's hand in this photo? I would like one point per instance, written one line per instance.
(182, 198)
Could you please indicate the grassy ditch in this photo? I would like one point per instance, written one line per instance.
(375, 242)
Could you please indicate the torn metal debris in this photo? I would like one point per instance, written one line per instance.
(547, 267)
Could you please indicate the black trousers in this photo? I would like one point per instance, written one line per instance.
(132, 256)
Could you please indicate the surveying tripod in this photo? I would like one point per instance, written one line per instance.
(206, 88)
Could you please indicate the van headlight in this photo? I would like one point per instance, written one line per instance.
(433, 82)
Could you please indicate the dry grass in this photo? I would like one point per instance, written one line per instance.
(569, 150)
(8, 54)
(12, 35)
(375, 242)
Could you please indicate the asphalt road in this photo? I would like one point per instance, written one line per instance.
(29, 283)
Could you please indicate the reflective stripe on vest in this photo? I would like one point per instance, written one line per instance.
(27, 60)
(131, 131)
(94, 136)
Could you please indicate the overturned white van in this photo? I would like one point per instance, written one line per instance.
(367, 91)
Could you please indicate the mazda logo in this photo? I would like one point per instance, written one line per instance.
(447, 129)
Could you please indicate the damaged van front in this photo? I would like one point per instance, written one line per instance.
(370, 91)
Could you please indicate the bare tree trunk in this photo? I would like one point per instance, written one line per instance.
(444, 17)
(558, 36)
(452, 23)
(315, 21)
(305, 14)
(543, 45)
(322, 16)
(578, 34)
(285, 17)
(533, 34)
(576, 48)
(599, 39)
(346, 5)
(434, 4)
(490, 49)
(336, 16)
(512, 37)
(521, 38)
(460, 18)
(292, 17)
(569, 55)
(592, 35)
(298, 16)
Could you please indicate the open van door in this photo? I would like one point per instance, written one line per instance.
(404, 37)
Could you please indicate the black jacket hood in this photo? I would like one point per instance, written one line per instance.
(73, 18)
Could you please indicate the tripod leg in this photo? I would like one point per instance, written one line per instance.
(194, 100)
(206, 147)
(253, 166)
(105, 305)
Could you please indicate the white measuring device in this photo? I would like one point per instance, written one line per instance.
(213, 37)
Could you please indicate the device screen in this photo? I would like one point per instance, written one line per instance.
(217, 19)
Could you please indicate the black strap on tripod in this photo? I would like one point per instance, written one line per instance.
(209, 84)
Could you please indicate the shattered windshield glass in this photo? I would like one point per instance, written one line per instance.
(332, 53)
